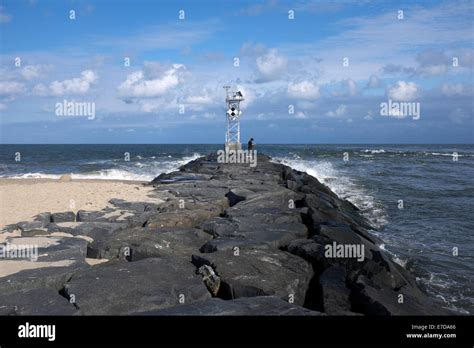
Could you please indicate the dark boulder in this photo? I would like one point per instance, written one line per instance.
(68, 216)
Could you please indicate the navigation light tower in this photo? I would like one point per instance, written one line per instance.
(232, 136)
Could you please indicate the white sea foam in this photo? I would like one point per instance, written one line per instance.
(374, 151)
(342, 185)
(137, 171)
(36, 176)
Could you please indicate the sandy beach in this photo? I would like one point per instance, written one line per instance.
(21, 199)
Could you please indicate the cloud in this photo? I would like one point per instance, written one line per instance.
(301, 115)
(403, 91)
(453, 89)
(339, 112)
(31, 72)
(152, 81)
(199, 99)
(8, 88)
(77, 85)
(397, 68)
(373, 82)
(4, 17)
(271, 65)
(349, 88)
(303, 90)
(369, 116)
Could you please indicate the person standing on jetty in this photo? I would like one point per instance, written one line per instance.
(250, 144)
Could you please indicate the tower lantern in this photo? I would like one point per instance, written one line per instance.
(232, 136)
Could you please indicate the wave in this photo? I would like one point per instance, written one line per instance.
(342, 185)
(34, 176)
(134, 171)
(374, 151)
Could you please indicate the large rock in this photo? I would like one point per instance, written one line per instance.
(40, 301)
(122, 288)
(371, 300)
(335, 294)
(237, 195)
(140, 243)
(94, 230)
(259, 273)
(181, 218)
(255, 306)
(63, 217)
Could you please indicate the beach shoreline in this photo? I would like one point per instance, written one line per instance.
(22, 199)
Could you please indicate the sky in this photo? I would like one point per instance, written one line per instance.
(310, 71)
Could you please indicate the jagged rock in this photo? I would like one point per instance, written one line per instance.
(43, 217)
(237, 195)
(277, 199)
(94, 230)
(258, 273)
(249, 231)
(63, 217)
(335, 294)
(210, 279)
(40, 301)
(219, 226)
(46, 277)
(140, 243)
(95, 216)
(181, 218)
(31, 225)
(256, 306)
(122, 288)
(371, 300)
(308, 249)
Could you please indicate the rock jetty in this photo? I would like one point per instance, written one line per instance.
(222, 239)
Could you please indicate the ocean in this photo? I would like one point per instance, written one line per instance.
(420, 198)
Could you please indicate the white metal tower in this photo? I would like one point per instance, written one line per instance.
(232, 136)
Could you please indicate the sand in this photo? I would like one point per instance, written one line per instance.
(21, 199)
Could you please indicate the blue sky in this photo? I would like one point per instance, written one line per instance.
(181, 64)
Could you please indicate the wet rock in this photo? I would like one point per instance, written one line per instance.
(371, 300)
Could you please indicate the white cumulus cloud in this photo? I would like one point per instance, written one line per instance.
(271, 64)
(453, 89)
(339, 112)
(77, 85)
(140, 85)
(303, 90)
(31, 72)
(8, 88)
(403, 91)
